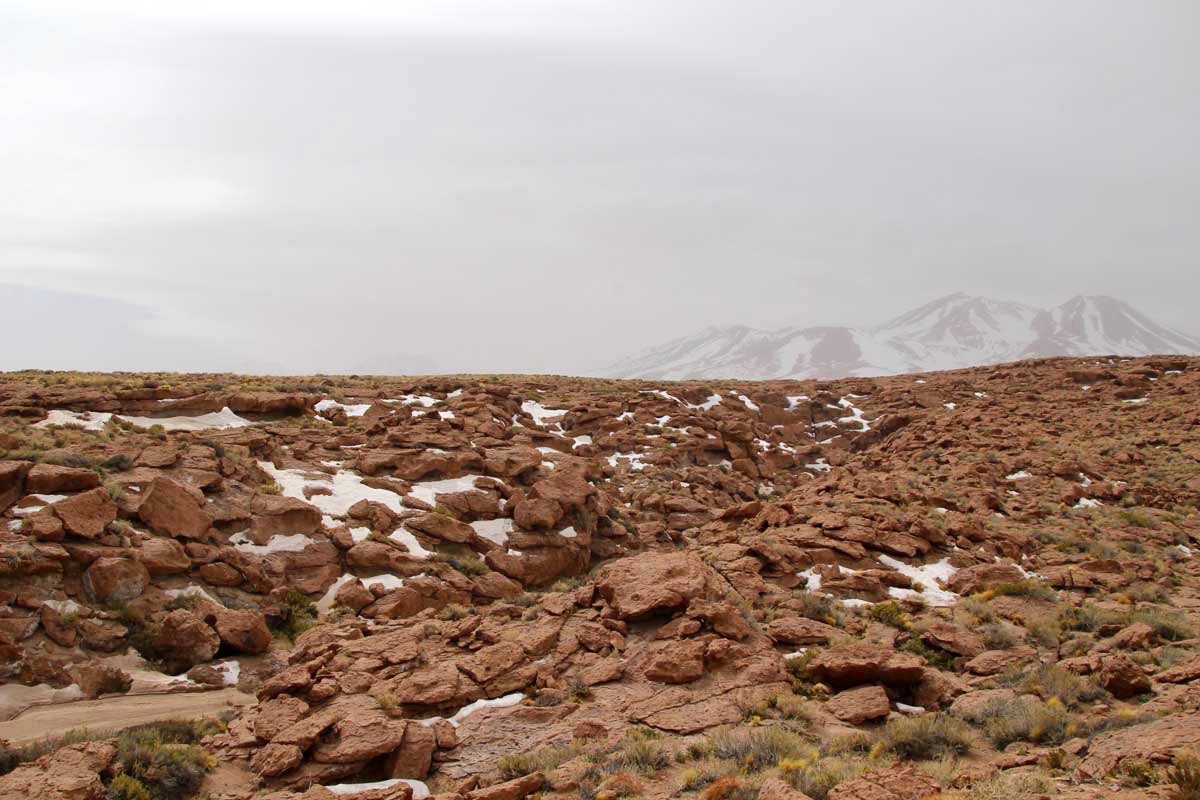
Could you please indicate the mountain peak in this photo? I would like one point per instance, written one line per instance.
(954, 331)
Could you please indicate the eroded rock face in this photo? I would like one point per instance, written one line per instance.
(641, 585)
(69, 773)
(183, 640)
(170, 509)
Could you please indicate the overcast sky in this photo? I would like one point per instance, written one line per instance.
(548, 185)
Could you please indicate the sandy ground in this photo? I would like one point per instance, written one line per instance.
(120, 711)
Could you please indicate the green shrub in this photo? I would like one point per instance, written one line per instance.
(126, 787)
(1028, 720)
(890, 613)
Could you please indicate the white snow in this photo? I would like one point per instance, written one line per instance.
(192, 591)
(347, 488)
(360, 534)
(420, 790)
(580, 441)
(1019, 475)
(626, 416)
(386, 580)
(494, 530)
(820, 465)
(446, 414)
(856, 415)
(410, 543)
(506, 701)
(713, 400)
(748, 403)
(429, 490)
(96, 420)
(931, 577)
(356, 410)
(950, 406)
(279, 543)
(1137, 401)
(540, 413)
(1088, 502)
(231, 670)
(46, 499)
(904, 708)
(795, 400)
(63, 606)
(635, 462)
(568, 533)
(812, 579)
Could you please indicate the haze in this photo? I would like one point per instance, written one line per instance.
(526, 186)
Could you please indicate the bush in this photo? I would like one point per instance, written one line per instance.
(1027, 720)
(1185, 774)
(125, 787)
(928, 736)
(541, 760)
(300, 614)
(890, 613)
(1029, 587)
(816, 776)
(756, 749)
(1052, 682)
(641, 752)
(1010, 786)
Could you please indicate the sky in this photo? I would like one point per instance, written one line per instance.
(551, 185)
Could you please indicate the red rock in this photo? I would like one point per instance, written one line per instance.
(510, 790)
(1123, 677)
(95, 679)
(276, 759)
(172, 510)
(12, 482)
(860, 705)
(678, 661)
(654, 582)
(857, 663)
(86, 514)
(52, 479)
(441, 526)
(244, 631)
(802, 631)
(120, 579)
(69, 773)
(184, 640)
(163, 556)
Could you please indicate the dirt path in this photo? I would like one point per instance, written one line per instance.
(122, 711)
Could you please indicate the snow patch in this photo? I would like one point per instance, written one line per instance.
(931, 577)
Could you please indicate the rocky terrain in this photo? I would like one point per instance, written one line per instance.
(952, 332)
(971, 584)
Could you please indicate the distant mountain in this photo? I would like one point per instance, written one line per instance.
(952, 332)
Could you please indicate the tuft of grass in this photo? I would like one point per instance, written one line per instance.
(541, 760)
(300, 614)
(1029, 720)
(1028, 587)
(1185, 774)
(817, 776)
(641, 752)
(929, 736)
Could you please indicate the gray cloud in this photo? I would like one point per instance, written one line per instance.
(536, 186)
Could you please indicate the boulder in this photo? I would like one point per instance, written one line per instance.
(69, 773)
(95, 679)
(276, 759)
(119, 579)
(857, 663)
(441, 526)
(170, 509)
(244, 631)
(1123, 677)
(86, 514)
(679, 661)
(183, 640)
(163, 556)
(860, 705)
(53, 479)
(648, 583)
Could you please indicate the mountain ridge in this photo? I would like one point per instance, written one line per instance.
(954, 331)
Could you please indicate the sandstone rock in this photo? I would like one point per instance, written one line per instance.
(441, 526)
(679, 661)
(69, 773)
(163, 556)
(184, 640)
(644, 584)
(775, 789)
(860, 705)
(414, 757)
(95, 679)
(86, 514)
(857, 663)
(276, 759)
(516, 789)
(120, 579)
(172, 510)
(802, 631)
(52, 479)
(1123, 677)
(244, 631)
(895, 783)
(1153, 741)
(356, 740)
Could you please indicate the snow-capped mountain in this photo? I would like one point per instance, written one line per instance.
(952, 332)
